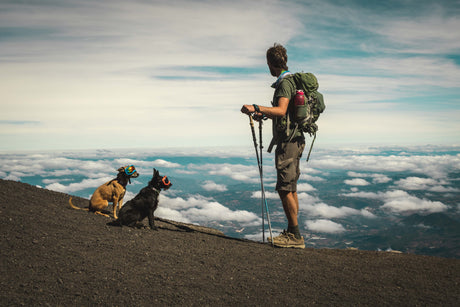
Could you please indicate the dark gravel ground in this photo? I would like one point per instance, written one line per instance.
(54, 255)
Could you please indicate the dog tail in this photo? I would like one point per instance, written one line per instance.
(73, 206)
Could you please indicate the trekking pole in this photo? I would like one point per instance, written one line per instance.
(309, 152)
(264, 199)
(254, 138)
(261, 172)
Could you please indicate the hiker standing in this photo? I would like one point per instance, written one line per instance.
(289, 144)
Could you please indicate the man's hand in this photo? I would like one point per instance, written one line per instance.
(248, 109)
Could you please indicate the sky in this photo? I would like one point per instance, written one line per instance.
(78, 74)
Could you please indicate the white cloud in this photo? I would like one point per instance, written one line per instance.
(427, 34)
(376, 178)
(326, 211)
(356, 181)
(114, 60)
(325, 226)
(415, 183)
(111, 58)
(55, 165)
(380, 178)
(308, 177)
(305, 187)
(212, 186)
(235, 171)
(268, 195)
(164, 163)
(77, 186)
(427, 184)
(399, 201)
(306, 199)
(13, 176)
(198, 209)
(370, 195)
(436, 166)
(128, 196)
(185, 172)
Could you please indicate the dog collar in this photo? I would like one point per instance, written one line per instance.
(156, 190)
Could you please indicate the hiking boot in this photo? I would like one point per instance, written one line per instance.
(284, 233)
(287, 239)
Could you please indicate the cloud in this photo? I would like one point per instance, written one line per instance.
(425, 184)
(158, 163)
(305, 187)
(308, 177)
(426, 33)
(87, 56)
(325, 226)
(164, 163)
(436, 166)
(380, 178)
(77, 186)
(326, 211)
(268, 195)
(376, 178)
(119, 55)
(356, 181)
(237, 172)
(212, 186)
(198, 209)
(399, 201)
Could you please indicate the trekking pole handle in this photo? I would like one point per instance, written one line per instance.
(251, 121)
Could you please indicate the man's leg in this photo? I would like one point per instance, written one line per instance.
(291, 209)
(290, 206)
(287, 158)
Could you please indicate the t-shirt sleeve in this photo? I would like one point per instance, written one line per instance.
(285, 89)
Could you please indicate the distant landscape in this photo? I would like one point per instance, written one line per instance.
(384, 198)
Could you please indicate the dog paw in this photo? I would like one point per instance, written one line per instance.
(154, 227)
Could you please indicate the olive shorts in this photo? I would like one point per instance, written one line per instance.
(287, 161)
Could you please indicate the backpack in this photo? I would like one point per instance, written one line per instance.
(308, 103)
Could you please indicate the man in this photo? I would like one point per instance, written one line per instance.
(289, 148)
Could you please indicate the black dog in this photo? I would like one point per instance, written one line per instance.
(143, 204)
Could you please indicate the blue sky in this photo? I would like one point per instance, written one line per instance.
(117, 74)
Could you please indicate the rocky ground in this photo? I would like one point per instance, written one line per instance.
(54, 255)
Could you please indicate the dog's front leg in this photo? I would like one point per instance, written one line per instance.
(152, 220)
(115, 205)
(120, 203)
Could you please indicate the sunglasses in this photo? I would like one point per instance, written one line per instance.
(130, 170)
(166, 181)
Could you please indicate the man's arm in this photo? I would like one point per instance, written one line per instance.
(270, 112)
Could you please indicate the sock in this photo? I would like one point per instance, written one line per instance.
(295, 231)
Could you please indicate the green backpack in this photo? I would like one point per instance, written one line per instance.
(308, 102)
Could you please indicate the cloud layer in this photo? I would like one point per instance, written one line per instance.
(341, 191)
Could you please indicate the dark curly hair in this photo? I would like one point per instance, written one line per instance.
(277, 56)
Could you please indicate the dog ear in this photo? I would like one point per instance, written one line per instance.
(155, 173)
(121, 169)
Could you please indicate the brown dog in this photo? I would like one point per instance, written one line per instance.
(111, 191)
